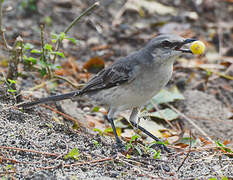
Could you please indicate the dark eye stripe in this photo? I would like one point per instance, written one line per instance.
(167, 44)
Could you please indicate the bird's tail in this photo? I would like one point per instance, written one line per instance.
(50, 99)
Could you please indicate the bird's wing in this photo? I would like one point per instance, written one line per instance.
(114, 75)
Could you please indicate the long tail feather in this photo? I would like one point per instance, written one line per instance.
(50, 99)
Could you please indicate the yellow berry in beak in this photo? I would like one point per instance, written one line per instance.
(197, 47)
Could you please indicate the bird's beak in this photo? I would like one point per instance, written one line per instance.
(180, 45)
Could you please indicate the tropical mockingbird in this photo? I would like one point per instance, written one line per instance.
(131, 81)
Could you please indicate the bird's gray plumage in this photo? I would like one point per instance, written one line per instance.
(131, 81)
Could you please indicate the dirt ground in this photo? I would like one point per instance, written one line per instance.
(34, 142)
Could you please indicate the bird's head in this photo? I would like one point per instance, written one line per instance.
(168, 46)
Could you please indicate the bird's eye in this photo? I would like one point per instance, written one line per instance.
(166, 43)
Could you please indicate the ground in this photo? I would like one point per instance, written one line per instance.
(34, 142)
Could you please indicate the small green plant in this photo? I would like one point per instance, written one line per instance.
(222, 178)
(96, 143)
(6, 171)
(99, 131)
(149, 148)
(96, 109)
(11, 83)
(46, 55)
(132, 145)
(223, 147)
(73, 154)
(29, 5)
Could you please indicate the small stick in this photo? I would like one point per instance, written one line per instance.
(68, 81)
(157, 109)
(28, 150)
(63, 114)
(58, 44)
(191, 122)
(190, 144)
(77, 164)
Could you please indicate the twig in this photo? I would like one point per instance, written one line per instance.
(43, 49)
(16, 53)
(58, 44)
(41, 85)
(42, 40)
(11, 160)
(157, 109)
(187, 155)
(68, 81)
(92, 7)
(77, 164)
(28, 150)
(125, 161)
(63, 114)
(190, 121)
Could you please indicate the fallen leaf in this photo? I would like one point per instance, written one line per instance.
(165, 96)
(150, 6)
(167, 114)
(94, 64)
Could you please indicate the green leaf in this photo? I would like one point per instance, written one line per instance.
(58, 67)
(156, 154)
(223, 147)
(133, 138)
(43, 63)
(11, 90)
(54, 41)
(30, 59)
(48, 20)
(74, 41)
(219, 144)
(128, 156)
(54, 36)
(28, 46)
(96, 109)
(12, 81)
(96, 143)
(108, 130)
(165, 96)
(59, 54)
(99, 131)
(62, 36)
(48, 47)
(74, 154)
(224, 178)
(43, 71)
(9, 166)
(36, 51)
(167, 114)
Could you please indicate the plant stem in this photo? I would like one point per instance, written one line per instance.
(43, 50)
(81, 15)
(2, 31)
(68, 81)
(42, 41)
(58, 44)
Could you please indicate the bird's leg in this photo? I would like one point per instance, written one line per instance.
(110, 119)
(132, 121)
(133, 117)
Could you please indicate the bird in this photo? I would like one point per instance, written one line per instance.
(131, 81)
